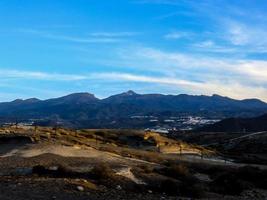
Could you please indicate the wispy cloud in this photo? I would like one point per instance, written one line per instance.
(175, 14)
(211, 46)
(241, 34)
(232, 88)
(35, 75)
(177, 35)
(206, 72)
(195, 64)
(93, 37)
(229, 22)
(114, 34)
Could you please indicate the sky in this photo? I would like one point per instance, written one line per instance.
(50, 48)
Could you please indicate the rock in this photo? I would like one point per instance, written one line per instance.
(80, 188)
(150, 191)
(118, 187)
(53, 168)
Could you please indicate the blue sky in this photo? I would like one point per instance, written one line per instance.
(50, 48)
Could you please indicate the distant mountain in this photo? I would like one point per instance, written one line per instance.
(85, 110)
(255, 124)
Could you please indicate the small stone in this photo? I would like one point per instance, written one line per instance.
(118, 187)
(80, 188)
(53, 168)
(150, 191)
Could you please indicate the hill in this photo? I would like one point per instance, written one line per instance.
(238, 125)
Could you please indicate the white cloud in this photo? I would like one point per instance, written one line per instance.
(252, 69)
(97, 38)
(177, 35)
(235, 76)
(238, 34)
(34, 75)
(253, 37)
(231, 88)
(206, 44)
(114, 34)
(211, 46)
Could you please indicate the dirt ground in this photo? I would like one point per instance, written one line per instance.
(20, 154)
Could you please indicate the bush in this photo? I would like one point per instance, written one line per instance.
(101, 134)
(195, 190)
(40, 170)
(235, 181)
(102, 171)
(177, 171)
(229, 184)
(254, 175)
(147, 168)
(170, 187)
(188, 185)
(60, 171)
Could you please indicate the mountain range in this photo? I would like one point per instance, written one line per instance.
(117, 111)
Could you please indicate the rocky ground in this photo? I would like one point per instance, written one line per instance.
(33, 188)
(110, 164)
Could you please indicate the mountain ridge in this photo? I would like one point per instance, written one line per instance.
(133, 93)
(85, 110)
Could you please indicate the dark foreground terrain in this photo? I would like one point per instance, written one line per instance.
(45, 163)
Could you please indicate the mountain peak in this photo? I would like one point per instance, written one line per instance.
(32, 100)
(130, 93)
(17, 101)
(79, 97)
(217, 95)
(80, 94)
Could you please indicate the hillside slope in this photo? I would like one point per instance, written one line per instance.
(238, 125)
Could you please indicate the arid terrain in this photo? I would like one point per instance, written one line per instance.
(57, 163)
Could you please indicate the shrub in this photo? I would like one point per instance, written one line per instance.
(102, 171)
(40, 170)
(187, 184)
(61, 171)
(253, 175)
(229, 183)
(147, 168)
(170, 187)
(177, 171)
(195, 190)
(100, 133)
